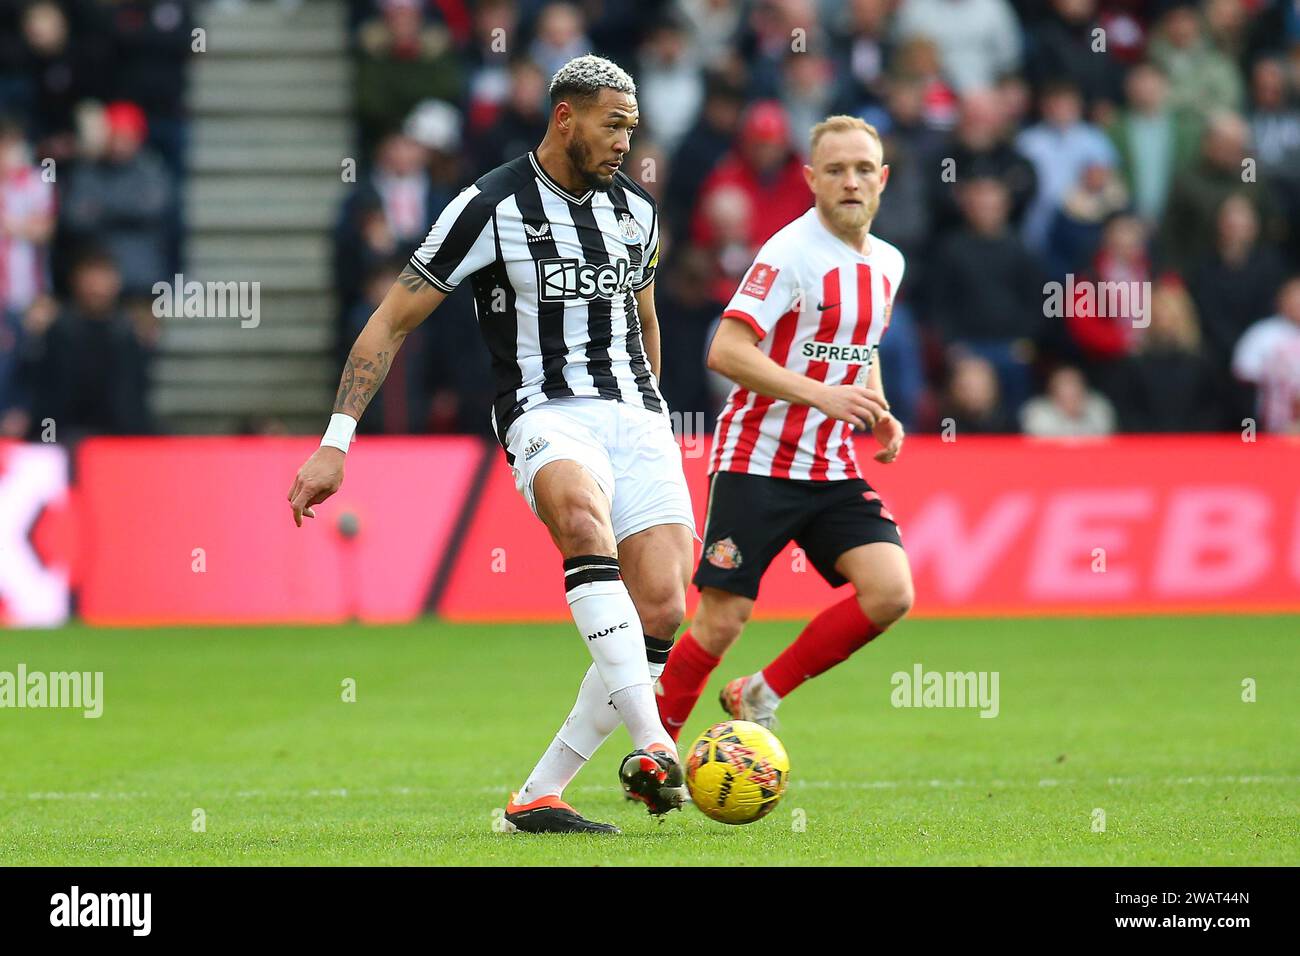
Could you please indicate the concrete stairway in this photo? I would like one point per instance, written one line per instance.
(271, 102)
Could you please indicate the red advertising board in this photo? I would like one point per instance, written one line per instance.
(997, 526)
(197, 530)
(191, 530)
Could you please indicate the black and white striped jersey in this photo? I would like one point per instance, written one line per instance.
(554, 277)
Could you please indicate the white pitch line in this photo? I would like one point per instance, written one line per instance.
(795, 784)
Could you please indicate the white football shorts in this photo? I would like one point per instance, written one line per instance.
(631, 452)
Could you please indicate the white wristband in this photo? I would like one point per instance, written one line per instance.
(340, 431)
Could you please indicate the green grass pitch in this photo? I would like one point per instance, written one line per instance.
(1139, 718)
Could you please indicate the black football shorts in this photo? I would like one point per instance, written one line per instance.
(752, 518)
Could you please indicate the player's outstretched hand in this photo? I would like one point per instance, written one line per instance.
(319, 477)
(889, 432)
(858, 405)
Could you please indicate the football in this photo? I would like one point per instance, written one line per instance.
(736, 771)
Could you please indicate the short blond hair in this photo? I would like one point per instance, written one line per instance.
(841, 124)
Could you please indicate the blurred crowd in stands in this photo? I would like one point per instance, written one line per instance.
(1094, 141)
(92, 163)
(1099, 144)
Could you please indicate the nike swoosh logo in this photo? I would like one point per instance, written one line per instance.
(673, 723)
(823, 307)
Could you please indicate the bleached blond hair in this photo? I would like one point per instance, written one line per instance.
(841, 124)
(585, 76)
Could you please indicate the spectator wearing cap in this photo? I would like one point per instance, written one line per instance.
(400, 180)
(1201, 78)
(152, 46)
(978, 40)
(1154, 140)
(401, 60)
(767, 169)
(1061, 146)
(123, 199)
(436, 127)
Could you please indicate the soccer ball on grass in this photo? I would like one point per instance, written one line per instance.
(736, 771)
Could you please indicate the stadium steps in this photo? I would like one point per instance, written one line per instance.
(271, 104)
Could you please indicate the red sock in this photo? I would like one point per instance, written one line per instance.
(828, 639)
(687, 671)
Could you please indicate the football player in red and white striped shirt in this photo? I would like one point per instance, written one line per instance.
(795, 339)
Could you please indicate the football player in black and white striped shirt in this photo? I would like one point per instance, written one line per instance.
(561, 248)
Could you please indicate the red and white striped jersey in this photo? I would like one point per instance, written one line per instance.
(23, 194)
(818, 307)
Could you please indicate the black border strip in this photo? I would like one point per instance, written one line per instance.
(464, 521)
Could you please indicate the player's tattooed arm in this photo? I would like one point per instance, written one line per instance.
(408, 303)
(361, 379)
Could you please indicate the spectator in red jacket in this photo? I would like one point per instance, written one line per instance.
(767, 167)
(1122, 258)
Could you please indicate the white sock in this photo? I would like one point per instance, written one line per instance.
(593, 718)
(608, 620)
(559, 764)
(594, 715)
(636, 705)
(758, 691)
